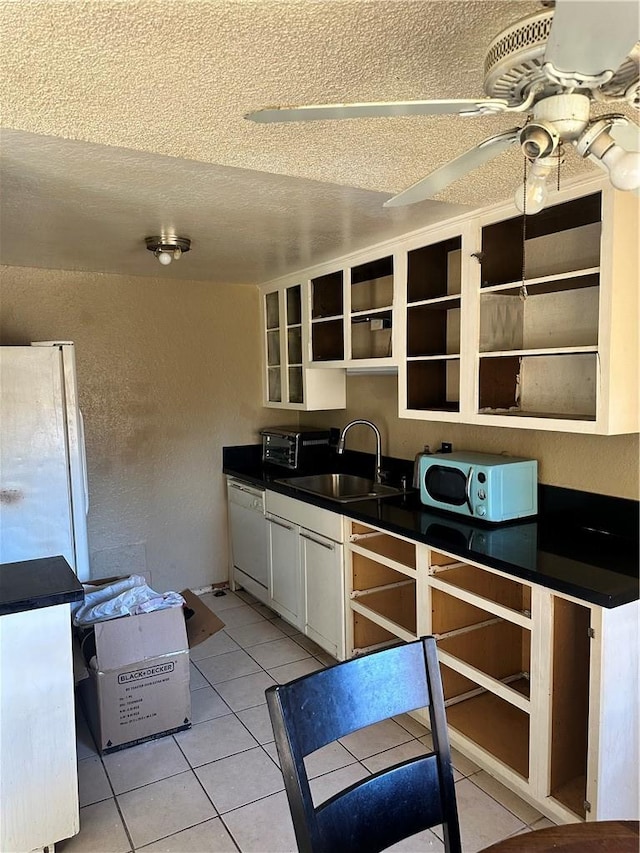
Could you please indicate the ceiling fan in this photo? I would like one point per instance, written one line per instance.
(549, 67)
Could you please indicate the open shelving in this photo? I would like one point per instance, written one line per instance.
(570, 704)
(371, 301)
(526, 694)
(482, 624)
(540, 313)
(327, 317)
(383, 597)
(433, 327)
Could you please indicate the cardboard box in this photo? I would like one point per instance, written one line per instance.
(139, 689)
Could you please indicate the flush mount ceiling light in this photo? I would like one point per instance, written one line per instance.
(168, 247)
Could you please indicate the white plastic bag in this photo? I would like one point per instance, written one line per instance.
(127, 597)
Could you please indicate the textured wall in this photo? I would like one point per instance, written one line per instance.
(603, 464)
(168, 372)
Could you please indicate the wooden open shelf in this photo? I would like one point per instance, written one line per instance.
(557, 319)
(372, 285)
(382, 545)
(559, 239)
(433, 328)
(367, 342)
(327, 298)
(570, 704)
(494, 587)
(500, 650)
(434, 384)
(367, 633)
(434, 271)
(562, 385)
(495, 725)
(397, 604)
(327, 340)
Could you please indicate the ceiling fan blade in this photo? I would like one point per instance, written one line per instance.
(323, 112)
(450, 172)
(589, 37)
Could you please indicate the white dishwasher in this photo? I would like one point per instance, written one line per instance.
(248, 539)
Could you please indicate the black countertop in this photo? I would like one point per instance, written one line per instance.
(31, 584)
(581, 544)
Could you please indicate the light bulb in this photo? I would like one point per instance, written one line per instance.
(623, 166)
(164, 258)
(534, 192)
(177, 253)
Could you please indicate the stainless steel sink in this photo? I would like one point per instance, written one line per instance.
(341, 487)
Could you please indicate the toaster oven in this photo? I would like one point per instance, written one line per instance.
(295, 448)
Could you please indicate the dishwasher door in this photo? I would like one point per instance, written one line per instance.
(248, 533)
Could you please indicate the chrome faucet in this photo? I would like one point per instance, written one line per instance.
(340, 448)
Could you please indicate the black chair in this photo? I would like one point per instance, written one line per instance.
(391, 805)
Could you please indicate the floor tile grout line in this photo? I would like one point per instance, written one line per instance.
(504, 805)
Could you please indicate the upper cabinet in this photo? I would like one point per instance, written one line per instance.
(556, 348)
(435, 350)
(327, 317)
(493, 318)
(352, 315)
(288, 382)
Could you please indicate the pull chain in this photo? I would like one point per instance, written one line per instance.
(523, 286)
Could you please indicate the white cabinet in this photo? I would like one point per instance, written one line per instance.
(38, 767)
(555, 321)
(436, 343)
(284, 569)
(491, 318)
(352, 314)
(322, 576)
(289, 382)
(306, 569)
(540, 688)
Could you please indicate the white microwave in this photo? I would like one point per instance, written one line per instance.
(485, 486)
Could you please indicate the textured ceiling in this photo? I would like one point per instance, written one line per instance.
(127, 117)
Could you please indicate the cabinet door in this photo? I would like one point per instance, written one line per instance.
(322, 571)
(284, 570)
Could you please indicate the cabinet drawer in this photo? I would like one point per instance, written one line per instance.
(481, 588)
(306, 515)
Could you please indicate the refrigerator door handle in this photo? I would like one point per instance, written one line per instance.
(83, 456)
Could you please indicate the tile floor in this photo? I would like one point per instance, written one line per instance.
(218, 787)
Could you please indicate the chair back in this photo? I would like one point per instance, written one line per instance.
(390, 805)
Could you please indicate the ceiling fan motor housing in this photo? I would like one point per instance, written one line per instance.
(515, 59)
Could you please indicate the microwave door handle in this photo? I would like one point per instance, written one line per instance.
(467, 490)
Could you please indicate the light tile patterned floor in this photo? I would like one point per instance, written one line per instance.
(217, 788)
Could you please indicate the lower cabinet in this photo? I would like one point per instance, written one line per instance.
(285, 583)
(306, 569)
(323, 584)
(540, 688)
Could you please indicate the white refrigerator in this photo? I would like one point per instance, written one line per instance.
(44, 496)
